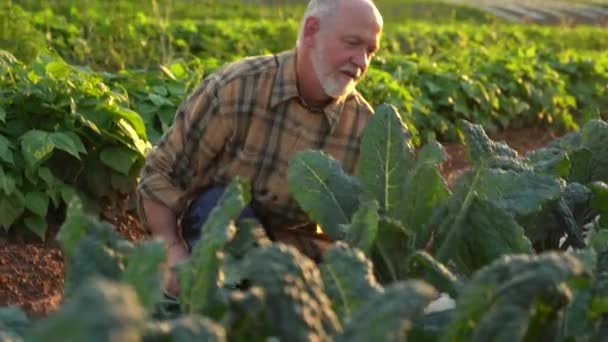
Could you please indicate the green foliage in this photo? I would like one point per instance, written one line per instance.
(363, 229)
(422, 265)
(249, 235)
(476, 231)
(388, 315)
(94, 249)
(515, 298)
(183, 329)
(66, 130)
(327, 194)
(274, 291)
(386, 156)
(13, 324)
(297, 306)
(197, 292)
(494, 74)
(63, 129)
(600, 201)
(348, 278)
(101, 310)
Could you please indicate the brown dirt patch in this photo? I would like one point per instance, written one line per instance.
(31, 273)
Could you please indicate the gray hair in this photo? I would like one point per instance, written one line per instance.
(317, 8)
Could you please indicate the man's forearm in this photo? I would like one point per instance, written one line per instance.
(161, 221)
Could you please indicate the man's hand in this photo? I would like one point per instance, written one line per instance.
(177, 252)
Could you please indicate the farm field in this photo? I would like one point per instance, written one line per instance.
(88, 89)
(586, 12)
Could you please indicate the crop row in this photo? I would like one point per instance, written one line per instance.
(491, 244)
(80, 127)
(135, 40)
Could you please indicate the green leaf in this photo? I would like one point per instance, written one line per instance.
(68, 194)
(5, 150)
(432, 153)
(550, 160)
(178, 70)
(599, 201)
(323, 190)
(348, 278)
(119, 159)
(577, 320)
(14, 320)
(36, 145)
(160, 90)
(159, 100)
(76, 142)
(386, 156)
(595, 139)
(99, 252)
(2, 115)
(11, 208)
(475, 232)
(37, 202)
(143, 272)
(58, 69)
(76, 226)
(423, 191)
(389, 315)
(137, 137)
(249, 236)
(46, 175)
(520, 193)
(515, 298)
(7, 182)
(186, 328)
(200, 276)
(361, 233)
(392, 247)
(37, 225)
(133, 121)
(581, 166)
(297, 306)
(102, 310)
(250, 308)
(422, 265)
(483, 151)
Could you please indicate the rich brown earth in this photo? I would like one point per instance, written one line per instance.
(31, 273)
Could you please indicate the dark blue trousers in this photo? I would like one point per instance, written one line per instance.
(199, 210)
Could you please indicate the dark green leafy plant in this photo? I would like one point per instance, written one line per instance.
(63, 132)
(515, 298)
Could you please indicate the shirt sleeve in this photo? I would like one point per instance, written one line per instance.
(174, 168)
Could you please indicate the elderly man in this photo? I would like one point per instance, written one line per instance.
(251, 116)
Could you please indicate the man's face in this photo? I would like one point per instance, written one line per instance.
(344, 48)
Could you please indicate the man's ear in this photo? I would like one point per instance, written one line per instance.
(311, 27)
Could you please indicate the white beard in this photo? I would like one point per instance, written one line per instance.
(332, 81)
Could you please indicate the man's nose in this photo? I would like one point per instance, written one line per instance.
(361, 60)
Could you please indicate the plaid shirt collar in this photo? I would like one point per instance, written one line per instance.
(285, 88)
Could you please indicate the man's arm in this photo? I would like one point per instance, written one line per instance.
(173, 169)
(162, 224)
(161, 221)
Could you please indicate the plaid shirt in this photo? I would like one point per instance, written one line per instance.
(248, 119)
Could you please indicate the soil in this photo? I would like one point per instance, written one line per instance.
(31, 272)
